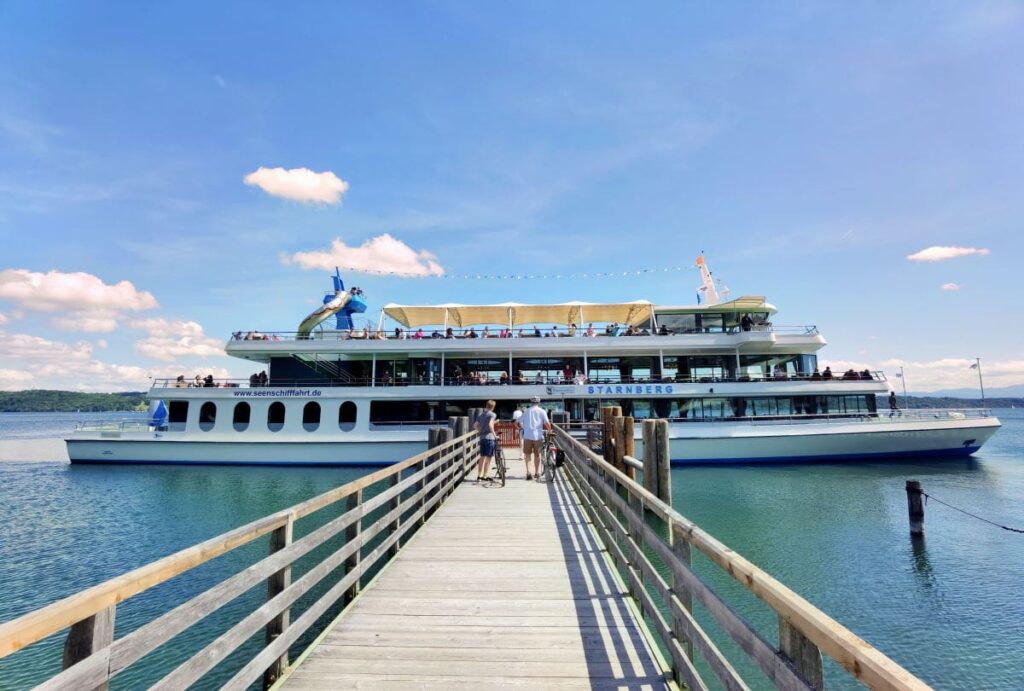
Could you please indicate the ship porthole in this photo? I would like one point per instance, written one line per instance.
(311, 416)
(207, 416)
(347, 416)
(275, 416)
(241, 418)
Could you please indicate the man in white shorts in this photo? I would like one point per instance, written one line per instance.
(534, 423)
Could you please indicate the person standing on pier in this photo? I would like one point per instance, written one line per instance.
(484, 425)
(534, 423)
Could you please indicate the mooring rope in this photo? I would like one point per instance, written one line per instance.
(972, 515)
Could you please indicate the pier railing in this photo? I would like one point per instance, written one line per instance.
(372, 527)
(654, 558)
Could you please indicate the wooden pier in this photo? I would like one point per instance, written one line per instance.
(503, 587)
(412, 577)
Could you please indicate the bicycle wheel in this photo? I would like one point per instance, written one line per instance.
(499, 463)
(548, 459)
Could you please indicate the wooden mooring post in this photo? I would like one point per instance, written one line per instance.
(657, 459)
(915, 507)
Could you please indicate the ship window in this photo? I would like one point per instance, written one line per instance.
(207, 416)
(347, 416)
(177, 414)
(275, 416)
(311, 416)
(241, 417)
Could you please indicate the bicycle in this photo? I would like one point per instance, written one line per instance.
(499, 468)
(549, 460)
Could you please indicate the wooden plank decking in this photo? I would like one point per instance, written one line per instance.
(502, 587)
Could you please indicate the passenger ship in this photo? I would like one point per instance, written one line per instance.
(735, 386)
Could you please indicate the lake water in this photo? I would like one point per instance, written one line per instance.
(948, 608)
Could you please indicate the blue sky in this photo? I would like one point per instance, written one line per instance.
(807, 148)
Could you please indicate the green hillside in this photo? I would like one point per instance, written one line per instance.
(45, 401)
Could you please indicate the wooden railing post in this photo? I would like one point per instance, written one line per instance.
(418, 488)
(681, 549)
(804, 655)
(278, 581)
(88, 636)
(391, 506)
(354, 501)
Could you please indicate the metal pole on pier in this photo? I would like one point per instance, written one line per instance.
(904, 380)
(981, 383)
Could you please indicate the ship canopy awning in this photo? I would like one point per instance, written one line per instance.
(518, 314)
(747, 303)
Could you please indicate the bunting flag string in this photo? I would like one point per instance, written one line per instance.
(520, 276)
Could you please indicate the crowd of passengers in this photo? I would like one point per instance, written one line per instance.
(613, 329)
(571, 375)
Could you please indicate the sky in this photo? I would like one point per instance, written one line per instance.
(171, 173)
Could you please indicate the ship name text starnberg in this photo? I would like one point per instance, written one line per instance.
(734, 386)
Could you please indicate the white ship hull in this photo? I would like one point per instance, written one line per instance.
(691, 443)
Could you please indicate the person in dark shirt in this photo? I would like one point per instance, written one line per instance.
(827, 374)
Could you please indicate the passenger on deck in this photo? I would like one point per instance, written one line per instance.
(663, 330)
(590, 333)
(520, 379)
(504, 379)
(609, 330)
(399, 334)
(850, 374)
(746, 322)
(419, 334)
(208, 381)
(866, 375)
(554, 331)
(572, 329)
(816, 374)
(197, 382)
(472, 333)
(263, 378)
(536, 332)
(827, 374)
(567, 373)
(180, 382)
(449, 333)
(487, 332)
(457, 375)
(779, 372)
(254, 380)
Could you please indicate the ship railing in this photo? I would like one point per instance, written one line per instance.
(496, 380)
(881, 416)
(336, 542)
(126, 425)
(516, 333)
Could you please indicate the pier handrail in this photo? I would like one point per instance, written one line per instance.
(92, 657)
(617, 505)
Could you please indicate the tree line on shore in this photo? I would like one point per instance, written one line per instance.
(46, 401)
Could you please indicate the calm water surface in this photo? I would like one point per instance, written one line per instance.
(948, 608)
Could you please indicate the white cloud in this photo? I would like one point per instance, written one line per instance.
(14, 379)
(35, 349)
(55, 291)
(940, 253)
(101, 343)
(100, 321)
(951, 286)
(299, 184)
(169, 340)
(380, 255)
(954, 373)
(3, 319)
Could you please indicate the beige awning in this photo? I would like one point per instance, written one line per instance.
(517, 314)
